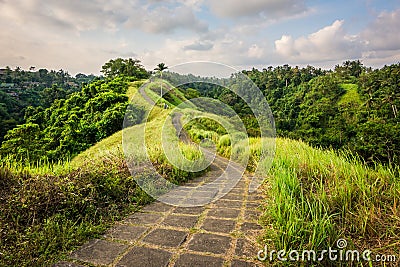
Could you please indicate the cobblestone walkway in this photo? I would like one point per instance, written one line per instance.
(222, 233)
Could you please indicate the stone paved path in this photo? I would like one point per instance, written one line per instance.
(221, 233)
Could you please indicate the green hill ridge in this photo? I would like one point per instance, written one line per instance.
(313, 196)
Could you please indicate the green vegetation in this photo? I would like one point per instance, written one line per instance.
(64, 177)
(70, 126)
(21, 91)
(49, 208)
(314, 196)
(172, 97)
(124, 67)
(350, 108)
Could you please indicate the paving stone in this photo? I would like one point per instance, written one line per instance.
(66, 264)
(196, 202)
(232, 196)
(224, 213)
(166, 238)
(181, 192)
(218, 225)
(239, 263)
(215, 189)
(255, 197)
(146, 257)
(197, 180)
(251, 215)
(204, 194)
(189, 210)
(213, 175)
(244, 248)
(126, 232)
(212, 243)
(228, 204)
(252, 205)
(182, 221)
(220, 220)
(192, 184)
(157, 207)
(218, 184)
(194, 260)
(99, 252)
(143, 218)
(224, 188)
(171, 200)
(240, 186)
(249, 226)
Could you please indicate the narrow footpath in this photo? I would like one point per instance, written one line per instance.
(221, 233)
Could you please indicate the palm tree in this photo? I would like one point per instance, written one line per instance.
(160, 67)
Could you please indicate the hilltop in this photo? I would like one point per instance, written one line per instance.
(313, 198)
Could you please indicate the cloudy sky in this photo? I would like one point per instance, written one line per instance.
(80, 36)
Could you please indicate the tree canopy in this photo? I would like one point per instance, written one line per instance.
(71, 125)
(125, 67)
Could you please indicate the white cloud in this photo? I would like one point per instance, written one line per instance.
(383, 33)
(61, 15)
(255, 51)
(81, 35)
(264, 8)
(376, 45)
(382, 40)
(328, 44)
(77, 15)
(226, 47)
(199, 46)
(165, 20)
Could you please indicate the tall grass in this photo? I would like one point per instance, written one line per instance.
(314, 197)
(42, 216)
(40, 167)
(48, 209)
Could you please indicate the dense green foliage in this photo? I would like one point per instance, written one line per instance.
(351, 107)
(124, 67)
(49, 210)
(20, 89)
(71, 125)
(10, 112)
(313, 196)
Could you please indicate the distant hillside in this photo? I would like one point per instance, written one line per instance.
(70, 125)
(352, 107)
(21, 90)
(314, 196)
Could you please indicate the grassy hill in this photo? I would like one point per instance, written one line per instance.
(313, 198)
(316, 197)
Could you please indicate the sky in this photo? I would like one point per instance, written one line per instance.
(80, 36)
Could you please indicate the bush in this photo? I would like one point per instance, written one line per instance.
(44, 216)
